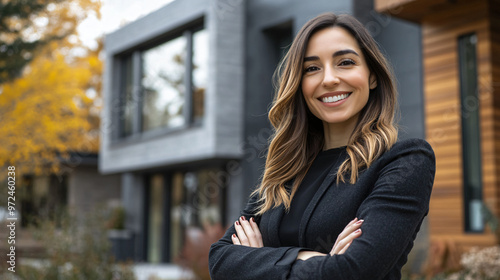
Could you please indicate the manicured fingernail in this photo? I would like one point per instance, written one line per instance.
(243, 218)
(234, 235)
(237, 223)
(358, 231)
(252, 219)
(360, 222)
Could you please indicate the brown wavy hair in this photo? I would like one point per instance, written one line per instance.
(298, 135)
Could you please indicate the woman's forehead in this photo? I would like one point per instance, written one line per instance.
(331, 39)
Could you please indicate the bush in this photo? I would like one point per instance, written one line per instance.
(481, 264)
(76, 250)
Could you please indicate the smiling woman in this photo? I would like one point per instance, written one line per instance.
(340, 197)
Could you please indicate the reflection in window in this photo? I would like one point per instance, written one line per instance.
(176, 224)
(200, 73)
(128, 104)
(197, 199)
(163, 85)
(155, 219)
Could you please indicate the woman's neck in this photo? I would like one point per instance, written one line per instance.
(338, 134)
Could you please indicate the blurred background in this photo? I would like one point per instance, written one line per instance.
(138, 129)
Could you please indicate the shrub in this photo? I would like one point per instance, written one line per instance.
(481, 264)
(76, 250)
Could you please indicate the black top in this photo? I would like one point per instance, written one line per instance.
(326, 161)
(392, 196)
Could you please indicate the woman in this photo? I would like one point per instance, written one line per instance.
(340, 197)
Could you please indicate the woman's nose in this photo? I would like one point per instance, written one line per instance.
(330, 77)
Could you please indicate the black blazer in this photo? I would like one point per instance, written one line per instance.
(392, 196)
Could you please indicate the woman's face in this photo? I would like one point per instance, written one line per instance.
(336, 80)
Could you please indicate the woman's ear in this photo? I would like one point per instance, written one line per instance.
(373, 81)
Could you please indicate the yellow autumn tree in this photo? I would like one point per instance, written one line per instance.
(52, 110)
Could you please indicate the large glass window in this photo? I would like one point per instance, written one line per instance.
(195, 199)
(200, 73)
(155, 218)
(42, 198)
(163, 87)
(471, 139)
(127, 93)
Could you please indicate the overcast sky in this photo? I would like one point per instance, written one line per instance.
(116, 13)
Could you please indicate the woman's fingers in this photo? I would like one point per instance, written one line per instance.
(343, 244)
(236, 240)
(248, 233)
(252, 232)
(345, 238)
(345, 248)
(256, 231)
(241, 234)
(351, 227)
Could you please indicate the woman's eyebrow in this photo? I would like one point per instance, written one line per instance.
(335, 54)
(343, 52)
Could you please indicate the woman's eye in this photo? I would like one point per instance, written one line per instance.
(347, 62)
(311, 69)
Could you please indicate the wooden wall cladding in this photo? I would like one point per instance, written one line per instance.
(440, 32)
(494, 8)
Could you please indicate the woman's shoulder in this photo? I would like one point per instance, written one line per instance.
(413, 151)
(411, 145)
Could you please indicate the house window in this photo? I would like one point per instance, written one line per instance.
(180, 210)
(471, 137)
(128, 100)
(156, 199)
(200, 74)
(162, 87)
(43, 198)
(163, 84)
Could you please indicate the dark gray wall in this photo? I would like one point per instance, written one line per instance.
(400, 40)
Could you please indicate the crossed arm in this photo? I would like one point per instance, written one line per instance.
(248, 234)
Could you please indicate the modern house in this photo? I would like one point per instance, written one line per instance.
(188, 87)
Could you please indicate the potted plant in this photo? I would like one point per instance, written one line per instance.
(121, 239)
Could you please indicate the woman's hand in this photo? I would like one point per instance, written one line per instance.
(248, 233)
(345, 238)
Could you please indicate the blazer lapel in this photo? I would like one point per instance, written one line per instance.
(274, 224)
(330, 178)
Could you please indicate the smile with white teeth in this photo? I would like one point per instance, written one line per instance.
(336, 98)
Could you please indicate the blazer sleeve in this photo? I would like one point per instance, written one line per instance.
(229, 261)
(392, 213)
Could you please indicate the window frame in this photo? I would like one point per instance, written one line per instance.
(470, 152)
(137, 134)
